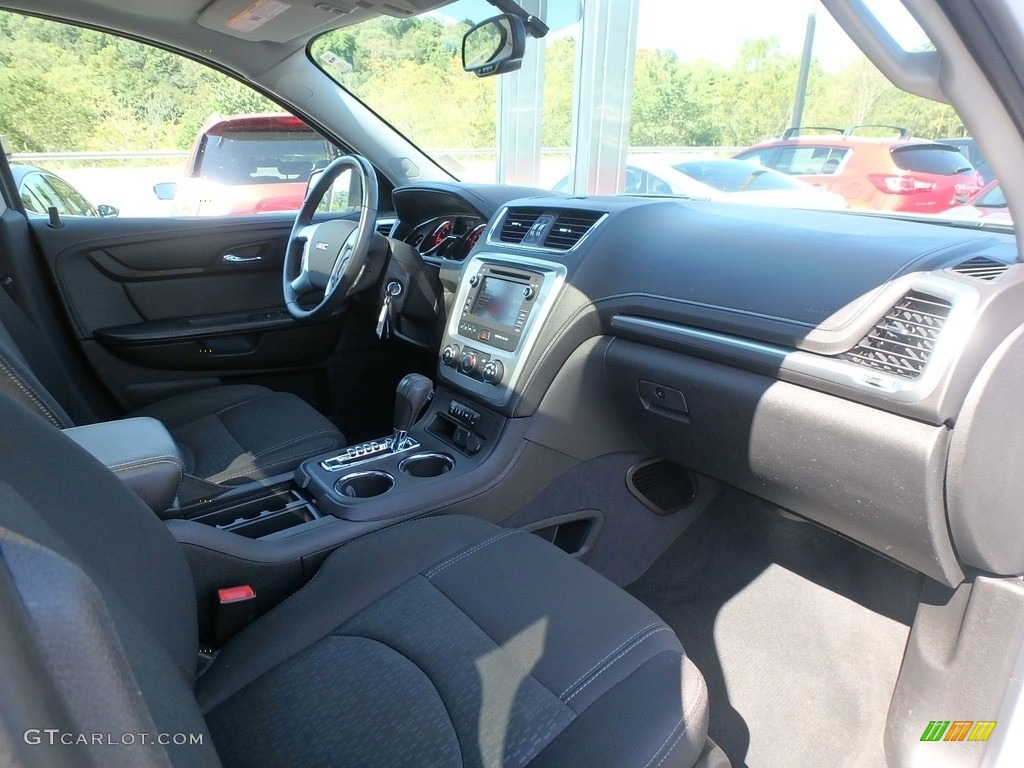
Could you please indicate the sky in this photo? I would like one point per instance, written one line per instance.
(714, 30)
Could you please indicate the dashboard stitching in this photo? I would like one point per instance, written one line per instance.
(634, 294)
(640, 294)
(731, 310)
(543, 355)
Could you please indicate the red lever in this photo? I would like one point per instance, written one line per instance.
(235, 594)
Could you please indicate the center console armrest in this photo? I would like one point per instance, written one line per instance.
(141, 452)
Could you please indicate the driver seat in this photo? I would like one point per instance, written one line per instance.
(232, 434)
(227, 435)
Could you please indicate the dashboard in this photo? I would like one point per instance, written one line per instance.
(838, 365)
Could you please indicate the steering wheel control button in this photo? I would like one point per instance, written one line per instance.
(493, 371)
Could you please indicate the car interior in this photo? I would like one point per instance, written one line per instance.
(481, 474)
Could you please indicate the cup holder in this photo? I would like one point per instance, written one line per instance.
(427, 464)
(365, 485)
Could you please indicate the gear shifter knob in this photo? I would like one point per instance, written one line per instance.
(413, 392)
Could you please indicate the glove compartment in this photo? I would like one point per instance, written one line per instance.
(870, 475)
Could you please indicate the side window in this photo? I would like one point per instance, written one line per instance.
(810, 160)
(834, 160)
(164, 136)
(30, 197)
(40, 192)
(759, 156)
(72, 202)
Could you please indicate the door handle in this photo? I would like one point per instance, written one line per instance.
(231, 258)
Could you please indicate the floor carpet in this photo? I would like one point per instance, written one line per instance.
(799, 633)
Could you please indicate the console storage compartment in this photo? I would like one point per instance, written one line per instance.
(262, 513)
(141, 452)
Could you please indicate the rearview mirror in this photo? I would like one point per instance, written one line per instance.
(495, 46)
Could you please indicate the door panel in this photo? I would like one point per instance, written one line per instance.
(157, 307)
(137, 276)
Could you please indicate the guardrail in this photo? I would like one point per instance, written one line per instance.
(181, 154)
(146, 154)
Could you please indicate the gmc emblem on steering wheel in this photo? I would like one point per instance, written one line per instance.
(321, 246)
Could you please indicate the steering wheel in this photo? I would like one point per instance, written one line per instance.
(329, 257)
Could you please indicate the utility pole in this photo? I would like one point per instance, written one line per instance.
(805, 66)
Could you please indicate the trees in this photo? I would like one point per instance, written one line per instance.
(68, 89)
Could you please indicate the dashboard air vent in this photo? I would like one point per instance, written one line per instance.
(982, 268)
(517, 224)
(569, 228)
(903, 340)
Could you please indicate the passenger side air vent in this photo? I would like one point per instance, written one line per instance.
(982, 268)
(569, 228)
(517, 224)
(903, 340)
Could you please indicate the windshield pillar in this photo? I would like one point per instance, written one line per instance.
(603, 99)
(520, 112)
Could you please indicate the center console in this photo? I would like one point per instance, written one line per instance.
(499, 308)
(273, 534)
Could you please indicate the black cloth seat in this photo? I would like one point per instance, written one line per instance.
(227, 435)
(442, 641)
(231, 434)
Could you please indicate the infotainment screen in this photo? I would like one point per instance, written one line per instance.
(499, 301)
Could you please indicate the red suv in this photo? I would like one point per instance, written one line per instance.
(889, 174)
(249, 164)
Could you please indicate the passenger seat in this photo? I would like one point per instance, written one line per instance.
(439, 642)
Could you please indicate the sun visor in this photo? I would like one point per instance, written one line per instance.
(279, 21)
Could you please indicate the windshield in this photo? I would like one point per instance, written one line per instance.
(735, 175)
(776, 83)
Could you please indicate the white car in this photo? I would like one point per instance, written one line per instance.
(729, 181)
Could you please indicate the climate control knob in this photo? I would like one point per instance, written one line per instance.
(468, 363)
(493, 371)
(450, 355)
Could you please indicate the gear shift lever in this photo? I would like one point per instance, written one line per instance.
(413, 392)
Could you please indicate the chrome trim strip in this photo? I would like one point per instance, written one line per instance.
(368, 451)
(515, 361)
(951, 341)
(449, 460)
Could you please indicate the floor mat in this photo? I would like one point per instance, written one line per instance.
(799, 633)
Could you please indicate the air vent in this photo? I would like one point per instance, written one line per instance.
(569, 228)
(981, 268)
(903, 340)
(384, 226)
(517, 224)
(662, 486)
